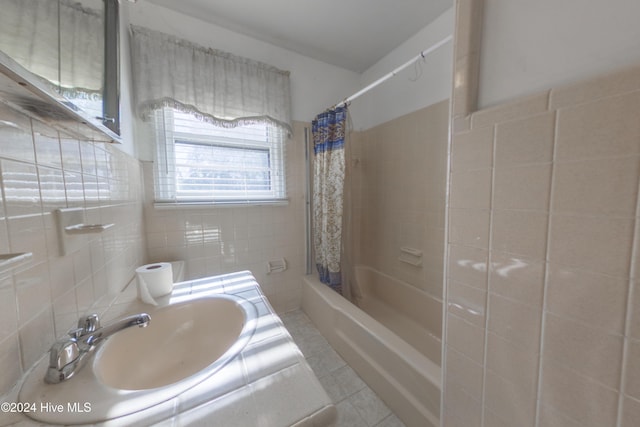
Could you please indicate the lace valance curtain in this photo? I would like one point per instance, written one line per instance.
(215, 86)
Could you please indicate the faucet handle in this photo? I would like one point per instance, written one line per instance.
(75, 333)
(62, 353)
(62, 356)
(89, 324)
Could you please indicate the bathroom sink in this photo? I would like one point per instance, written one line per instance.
(184, 344)
(181, 340)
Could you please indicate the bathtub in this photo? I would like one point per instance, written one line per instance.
(393, 342)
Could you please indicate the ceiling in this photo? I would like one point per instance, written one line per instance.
(351, 34)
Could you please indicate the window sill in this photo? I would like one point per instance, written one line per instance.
(210, 205)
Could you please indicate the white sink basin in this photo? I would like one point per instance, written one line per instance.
(137, 368)
(180, 341)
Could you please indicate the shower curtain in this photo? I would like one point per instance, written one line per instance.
(328, 129)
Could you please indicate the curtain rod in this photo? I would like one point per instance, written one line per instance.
(422, 55)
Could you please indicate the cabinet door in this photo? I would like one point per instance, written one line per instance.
(82, 60)
(29, 35)
(72, 47)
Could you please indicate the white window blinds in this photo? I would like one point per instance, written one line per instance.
(198, 162)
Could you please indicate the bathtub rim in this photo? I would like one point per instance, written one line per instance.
(410, 404)
(415, 359)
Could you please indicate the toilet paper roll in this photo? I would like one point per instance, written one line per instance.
(154, 280)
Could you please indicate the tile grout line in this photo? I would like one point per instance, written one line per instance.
(545, 293)
(446, 255)
(626, 337)
(488, 269)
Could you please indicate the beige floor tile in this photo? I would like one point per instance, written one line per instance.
(357, 404)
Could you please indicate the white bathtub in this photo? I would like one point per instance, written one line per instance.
(398, 356)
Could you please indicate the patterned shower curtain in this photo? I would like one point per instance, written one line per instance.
(328, 131)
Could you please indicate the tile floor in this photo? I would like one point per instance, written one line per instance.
(357, 404)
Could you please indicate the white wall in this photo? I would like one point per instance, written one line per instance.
(528, 46)
(399, 95)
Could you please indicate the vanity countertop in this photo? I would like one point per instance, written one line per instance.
(268, 384)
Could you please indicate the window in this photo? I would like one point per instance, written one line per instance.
(211, 160)
(198, 162)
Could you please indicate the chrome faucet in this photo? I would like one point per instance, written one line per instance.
(68, 355)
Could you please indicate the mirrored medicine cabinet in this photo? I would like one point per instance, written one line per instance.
(59, 62)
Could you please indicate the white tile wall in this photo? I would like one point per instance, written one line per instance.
(217, 240)
(41, 171)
